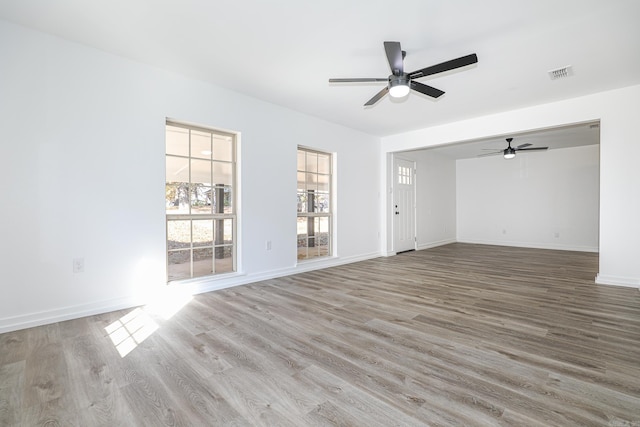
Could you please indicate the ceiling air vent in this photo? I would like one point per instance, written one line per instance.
(561, 73)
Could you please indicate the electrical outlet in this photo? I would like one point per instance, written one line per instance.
(556, 234)
(268, 245)
(78, 265)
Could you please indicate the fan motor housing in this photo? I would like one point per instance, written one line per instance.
(399, 80)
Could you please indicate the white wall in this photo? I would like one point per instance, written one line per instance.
(617, 110)
(547, 199)
(83, 170)
(435, 198)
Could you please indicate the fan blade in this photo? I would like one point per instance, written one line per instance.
(378, 96)
(491, 149)
(427, 90)
(445, 66)
(394, 56)
(521, 146)
(490, 154)
(532, 149)
(357, 80)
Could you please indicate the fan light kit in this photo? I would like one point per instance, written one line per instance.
(399, 83)
(510, 152)
(399, 88)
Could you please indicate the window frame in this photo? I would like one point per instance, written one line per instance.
(312, 215)
(218, 218)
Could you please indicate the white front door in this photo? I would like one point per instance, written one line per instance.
(404, 220)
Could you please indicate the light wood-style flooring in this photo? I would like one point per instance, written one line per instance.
(460, 335)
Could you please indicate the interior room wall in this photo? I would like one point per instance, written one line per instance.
(547, 199)
(435, 198)
(619, 239)
(83, 177)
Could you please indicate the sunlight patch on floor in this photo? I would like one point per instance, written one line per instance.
(168, 302)
(136, 326)
(130, 330)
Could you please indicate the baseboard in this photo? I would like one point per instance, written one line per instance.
(551, 246)
(30, 320)
(629, 282)
(215, 285)
(435, 244)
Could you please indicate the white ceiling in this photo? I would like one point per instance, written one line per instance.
(284, 51)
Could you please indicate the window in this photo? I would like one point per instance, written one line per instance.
(200, 202)
(314, 204)
(405, 175)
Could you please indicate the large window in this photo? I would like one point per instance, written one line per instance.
(314, 204)
(200, 201)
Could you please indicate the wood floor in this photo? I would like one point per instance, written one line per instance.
(460, 335)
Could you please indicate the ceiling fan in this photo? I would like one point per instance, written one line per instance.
(399, 83)
(510, 152)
